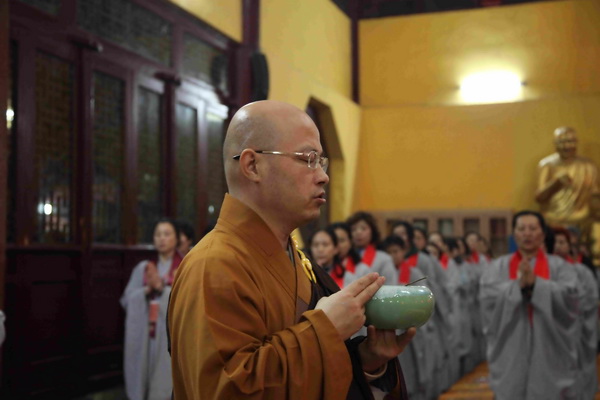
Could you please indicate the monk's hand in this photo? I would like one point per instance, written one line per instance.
(346, 308)
(381, 346)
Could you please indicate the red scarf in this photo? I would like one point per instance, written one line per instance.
(580, 258)
(474, 258)
(405, 267)
(171, 274)
(570, 259)
(541, 270)
(444, 260)
(350, 267)
(337, 273)
(369, 255)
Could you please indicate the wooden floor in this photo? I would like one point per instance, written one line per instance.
(474, 385)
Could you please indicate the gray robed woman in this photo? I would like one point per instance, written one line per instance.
(147, 364)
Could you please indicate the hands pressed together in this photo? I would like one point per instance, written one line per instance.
(346, 311)
(526, 275)
(153, 279)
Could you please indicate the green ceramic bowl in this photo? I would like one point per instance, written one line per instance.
(400, 307)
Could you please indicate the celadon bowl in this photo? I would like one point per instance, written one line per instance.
(400, 307)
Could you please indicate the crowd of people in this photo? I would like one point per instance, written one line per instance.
(476, 306)
(472, 321)
(451, 342)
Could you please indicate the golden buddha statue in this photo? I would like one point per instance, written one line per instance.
(568, 189)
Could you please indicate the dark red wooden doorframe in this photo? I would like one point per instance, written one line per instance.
(84, 279)
(4, 44)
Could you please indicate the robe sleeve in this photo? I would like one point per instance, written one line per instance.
(222, 347)
(544, 176)
(500, 298)
(392, 382)
(556, 301)
(588, 305)
(135, 289)
(386, 268)
(435, 282)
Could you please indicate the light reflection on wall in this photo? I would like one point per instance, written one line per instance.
(491, 87)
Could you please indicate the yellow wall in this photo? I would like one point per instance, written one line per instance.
(308, 48)
(422, 147)
(224, 15)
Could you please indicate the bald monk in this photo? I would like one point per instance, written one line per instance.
(249, 317)
(529, 306)
(567, 184)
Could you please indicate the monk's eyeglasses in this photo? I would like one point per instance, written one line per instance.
(312, 158)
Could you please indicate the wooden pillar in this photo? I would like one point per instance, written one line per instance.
(4, 65)
(250, 44)
(4, 71)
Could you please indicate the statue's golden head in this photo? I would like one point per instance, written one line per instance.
(565, 140)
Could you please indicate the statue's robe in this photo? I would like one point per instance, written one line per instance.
(531, 335)
(243, 324)
(570, 205)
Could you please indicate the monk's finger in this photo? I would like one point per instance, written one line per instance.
(403, 340)
(359, 285)
(371, 332)
(370, 290)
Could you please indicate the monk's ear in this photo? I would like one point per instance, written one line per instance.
(248, 165)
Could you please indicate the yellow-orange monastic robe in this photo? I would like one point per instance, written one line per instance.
(238, 323)
(572, 204)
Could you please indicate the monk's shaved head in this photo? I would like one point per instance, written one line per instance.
(271, 173)
(565, 141)
(260, 126)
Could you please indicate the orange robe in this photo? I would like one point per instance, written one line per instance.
(239, 320)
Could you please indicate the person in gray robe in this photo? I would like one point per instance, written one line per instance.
(477, 262)
(442, 361)
(462, 291)
(416, 355)
(529, 306)
(448, 370)
(588, 315)
(147, 364)
(365, 239)
(348, 258)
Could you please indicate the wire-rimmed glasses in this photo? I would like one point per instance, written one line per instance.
(312, 158)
